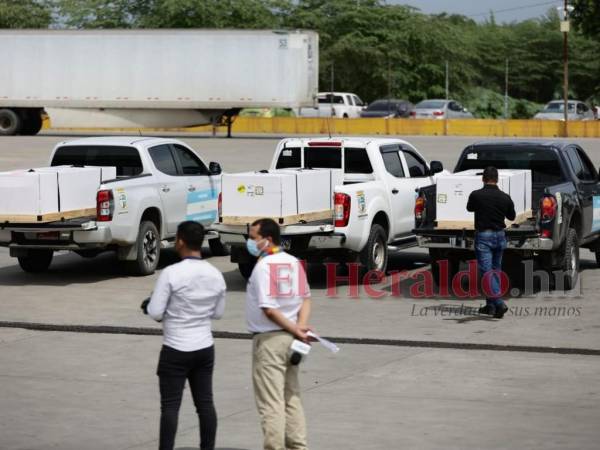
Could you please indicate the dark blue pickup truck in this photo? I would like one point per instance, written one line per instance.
(565, 204)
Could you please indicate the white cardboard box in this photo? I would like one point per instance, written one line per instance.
(279, 193)
(28, 193)
(259, 194)
(77, 186)
(453, 192)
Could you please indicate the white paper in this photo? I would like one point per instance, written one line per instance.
(324, 342)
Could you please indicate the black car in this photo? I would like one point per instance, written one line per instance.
(388, 108)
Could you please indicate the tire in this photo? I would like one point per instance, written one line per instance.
(453, 268)
(374, 255)
(345, 116)
(36, 261)
(570, 260)
(148, 250)
(217, 248)
(597, 257)
(246, 269)
(10, 122)
(32, 123)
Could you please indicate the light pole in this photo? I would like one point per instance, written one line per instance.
(564, 28)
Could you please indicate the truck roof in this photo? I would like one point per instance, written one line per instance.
(346, 141)
(559, 145)
(124, 141)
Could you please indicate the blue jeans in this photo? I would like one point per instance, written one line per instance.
(489, 246)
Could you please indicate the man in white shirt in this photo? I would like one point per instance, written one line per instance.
(277, 312)
(186, 297)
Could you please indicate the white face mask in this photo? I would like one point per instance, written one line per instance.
(253, 249)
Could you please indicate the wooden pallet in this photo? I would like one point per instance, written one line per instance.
(50, 217)
(286, 220)
(469, 225)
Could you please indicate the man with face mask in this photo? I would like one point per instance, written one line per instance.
(277, 312)
(186, 297)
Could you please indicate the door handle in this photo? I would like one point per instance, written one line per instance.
(191, 188)
(165, 188)
(395, 191)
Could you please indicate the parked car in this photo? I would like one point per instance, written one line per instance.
(372, 205)
(555, 110)
(334, 104)
(440, 109)
(388, 108)
(159, 183)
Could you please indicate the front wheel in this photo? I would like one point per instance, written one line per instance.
(374, 255)
(148, 250)
(10, 122)
(36, 261)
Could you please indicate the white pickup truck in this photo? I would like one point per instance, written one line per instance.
(373, 206)
(159, 183)
(342, 105)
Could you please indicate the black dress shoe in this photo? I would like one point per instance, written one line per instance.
(487, 309)
(500, 311)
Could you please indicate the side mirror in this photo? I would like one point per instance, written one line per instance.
(214, 168)
(435, 167)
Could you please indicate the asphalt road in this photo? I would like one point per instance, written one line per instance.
(96, 391)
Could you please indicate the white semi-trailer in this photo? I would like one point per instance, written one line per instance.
(150, 78)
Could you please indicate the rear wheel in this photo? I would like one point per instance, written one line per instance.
(36, 261)
(246, 268)
(374, 255)
(10, 122)
(443, 278)
(570, 260)
(218, 248)
(148, 250)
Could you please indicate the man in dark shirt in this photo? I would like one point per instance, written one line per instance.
(491, 207)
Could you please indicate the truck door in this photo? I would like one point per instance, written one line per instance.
(587, 186)
(171, 186)
(202, 190)
(418, 177)
(398, 191)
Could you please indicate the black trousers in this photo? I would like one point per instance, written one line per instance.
(174, 368)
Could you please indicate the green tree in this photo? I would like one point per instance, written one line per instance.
(25, 14)
(586, 17)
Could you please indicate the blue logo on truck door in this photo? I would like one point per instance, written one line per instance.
(200, 208)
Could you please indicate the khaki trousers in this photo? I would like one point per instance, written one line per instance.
(277, 392)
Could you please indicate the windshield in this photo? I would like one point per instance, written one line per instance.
(338, 99)
(556, 107)
(382, 106)
(430, 104)
(125, 159)
(543, 162)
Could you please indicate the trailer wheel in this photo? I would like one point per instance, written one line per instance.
(148, 250)
(32, 123)
(246, 268)
(10, 122)
(374, 255)
(218, 248)
(36, 261)
(570, 260)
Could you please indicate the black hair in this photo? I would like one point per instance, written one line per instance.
(268, 228)
(490, 173)
(191, 233)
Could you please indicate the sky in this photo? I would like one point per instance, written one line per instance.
(480, 9)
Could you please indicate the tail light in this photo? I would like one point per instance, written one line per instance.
(105, 205)
(413, 114)
(438, 113)
(548, 208)
(341, 209)
(220, 204)
(419, 208)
